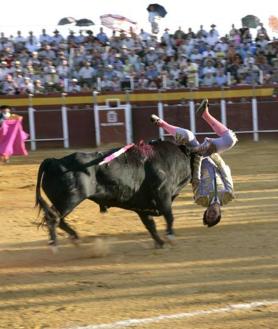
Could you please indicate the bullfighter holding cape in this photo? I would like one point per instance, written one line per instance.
(12, 135)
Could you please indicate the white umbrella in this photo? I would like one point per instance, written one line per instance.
(117, 22)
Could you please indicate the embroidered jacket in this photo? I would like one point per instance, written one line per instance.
(212, 179)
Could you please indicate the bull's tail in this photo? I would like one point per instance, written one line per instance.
(49, 212)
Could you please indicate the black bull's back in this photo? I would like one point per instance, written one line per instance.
(145, 179)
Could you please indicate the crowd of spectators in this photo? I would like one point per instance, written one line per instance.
(83, 62)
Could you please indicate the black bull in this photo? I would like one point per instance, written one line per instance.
(146, 179)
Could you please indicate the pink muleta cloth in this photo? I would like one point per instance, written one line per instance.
(12, 138)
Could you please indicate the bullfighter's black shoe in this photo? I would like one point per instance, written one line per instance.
(201, 108)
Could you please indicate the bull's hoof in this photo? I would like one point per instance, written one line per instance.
(171, 239)
(53, 246)
(159, 245)
(74, 240)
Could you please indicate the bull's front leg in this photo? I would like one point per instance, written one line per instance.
(151, 227)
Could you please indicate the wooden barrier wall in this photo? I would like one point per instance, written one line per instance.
(81, 121)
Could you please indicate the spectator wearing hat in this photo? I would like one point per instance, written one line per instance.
(57, 38)
(213, 35)
(166, 38)
(74, 86)
(71, 39)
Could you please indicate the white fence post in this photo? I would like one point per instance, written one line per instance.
(96, 117)
(128, 120)
(32, 127)
(65, 126)
(223, 112)
(255, 120)
(161, 115)
(98, 84)
(192, 116)
(65, 122)
(132, 82)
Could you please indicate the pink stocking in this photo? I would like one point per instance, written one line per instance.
(169, 128)
(216, 125)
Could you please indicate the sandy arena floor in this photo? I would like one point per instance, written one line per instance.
(116, 274)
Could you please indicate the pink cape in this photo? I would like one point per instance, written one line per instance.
(12, 138)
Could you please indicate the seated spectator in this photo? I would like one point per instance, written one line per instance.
(52, 82)
(208, 80)
(9, 86)
(74, 86)
(221, 78)
(87, 75)
(38, 87)
(141, 82)
(4, 70)
(208, 67)
(192, 74)
(27, 87)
